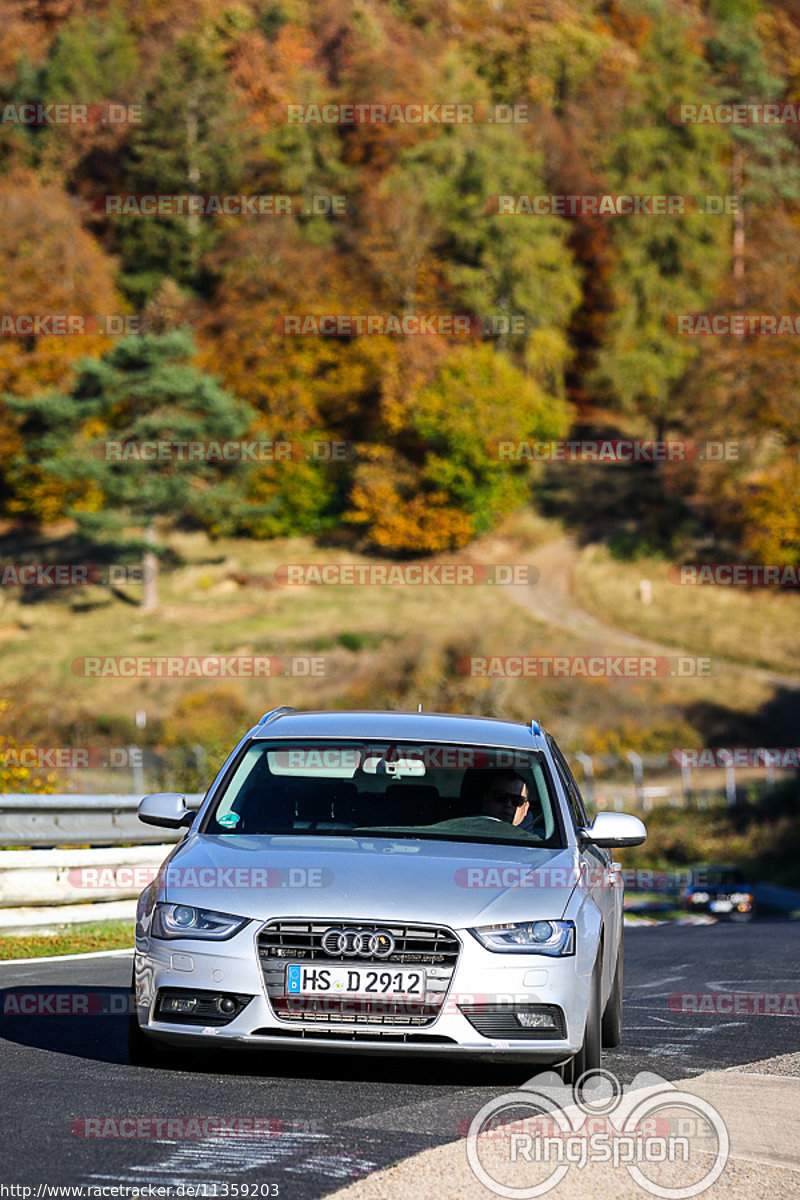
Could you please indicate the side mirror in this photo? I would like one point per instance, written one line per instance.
(167, 809)
(614, 829)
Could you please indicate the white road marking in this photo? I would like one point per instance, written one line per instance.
(230, 1155)
(658, 982)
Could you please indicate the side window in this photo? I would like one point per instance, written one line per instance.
(579, 817)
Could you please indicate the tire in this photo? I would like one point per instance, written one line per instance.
(590, 1054)
(612, 1014)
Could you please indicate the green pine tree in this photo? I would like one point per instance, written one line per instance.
(143, 390)
(190, 142)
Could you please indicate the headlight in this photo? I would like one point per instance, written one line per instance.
(741, 897)
(555, 938)
(183, 921)
(699, 897)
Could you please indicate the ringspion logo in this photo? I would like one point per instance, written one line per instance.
(535, 1136)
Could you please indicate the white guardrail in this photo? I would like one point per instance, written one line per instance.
(86, 858)
(70, 881)
(70, 820)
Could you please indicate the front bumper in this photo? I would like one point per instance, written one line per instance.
(480, 978)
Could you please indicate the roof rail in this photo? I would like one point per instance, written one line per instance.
(275, 712)
(536, 728)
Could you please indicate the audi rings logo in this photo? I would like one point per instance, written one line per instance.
(358, 943)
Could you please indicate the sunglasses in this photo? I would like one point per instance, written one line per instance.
(506, 798)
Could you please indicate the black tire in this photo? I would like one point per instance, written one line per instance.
(612, 1014)
(590, 1054)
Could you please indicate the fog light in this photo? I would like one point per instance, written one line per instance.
(535, 1020)
(179, 1004)
(226, 1004)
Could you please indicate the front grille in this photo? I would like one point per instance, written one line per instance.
(499, 1021)
(431, 947)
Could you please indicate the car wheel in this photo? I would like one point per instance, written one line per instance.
(590, 1054)
(612, 1014)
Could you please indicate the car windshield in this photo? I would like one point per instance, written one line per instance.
(409, 790)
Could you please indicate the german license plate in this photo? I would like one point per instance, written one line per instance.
(721, 905)
(302, 979)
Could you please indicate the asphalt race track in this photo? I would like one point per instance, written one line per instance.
(334, 1119)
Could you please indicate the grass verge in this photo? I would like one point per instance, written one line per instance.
(756, 626)
(68, 939)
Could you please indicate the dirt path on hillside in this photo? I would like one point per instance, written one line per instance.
(552, 601)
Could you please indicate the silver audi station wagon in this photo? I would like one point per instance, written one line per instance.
(385, 883)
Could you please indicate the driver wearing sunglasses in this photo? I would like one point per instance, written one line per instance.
(505, 798)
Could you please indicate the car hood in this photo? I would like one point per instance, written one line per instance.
(369, 878)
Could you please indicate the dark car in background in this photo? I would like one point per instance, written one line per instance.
(721, 891)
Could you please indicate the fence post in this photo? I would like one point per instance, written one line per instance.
(636, 761)
(135, 757)
(686, 781)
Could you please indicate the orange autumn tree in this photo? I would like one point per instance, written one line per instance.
(452, 483)
(48, 265)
